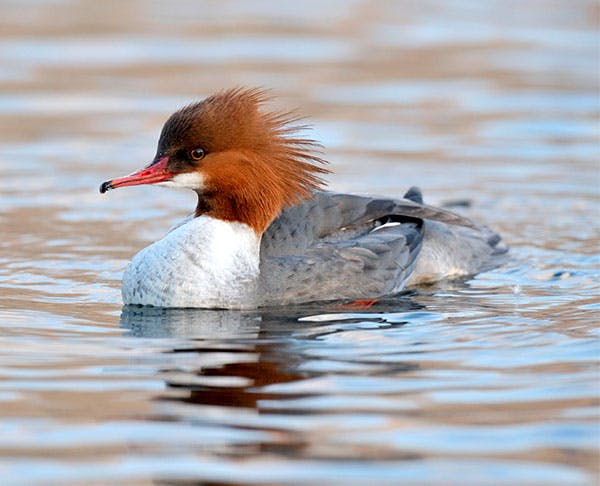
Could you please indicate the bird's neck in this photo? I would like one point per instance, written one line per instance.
(254, 208)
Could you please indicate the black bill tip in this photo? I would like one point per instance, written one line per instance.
(105, 186)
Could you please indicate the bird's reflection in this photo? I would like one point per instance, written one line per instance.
(242, 354)
(192, 324)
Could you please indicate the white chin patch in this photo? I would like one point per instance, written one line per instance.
(189, 180)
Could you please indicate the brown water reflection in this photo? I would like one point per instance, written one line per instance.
(492, 380)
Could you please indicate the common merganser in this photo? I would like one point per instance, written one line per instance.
(264, 231)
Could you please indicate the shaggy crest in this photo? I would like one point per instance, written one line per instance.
(257, 162)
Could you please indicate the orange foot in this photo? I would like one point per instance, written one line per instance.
(361, 304)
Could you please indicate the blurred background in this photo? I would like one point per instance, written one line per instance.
(489, 381)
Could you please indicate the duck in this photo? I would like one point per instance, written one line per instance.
(266, 231)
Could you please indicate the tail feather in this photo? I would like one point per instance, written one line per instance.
(414, 194)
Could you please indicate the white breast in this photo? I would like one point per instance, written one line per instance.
(205, 262)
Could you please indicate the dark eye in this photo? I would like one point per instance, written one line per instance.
(197, 153)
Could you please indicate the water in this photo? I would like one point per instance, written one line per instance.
(489, 380)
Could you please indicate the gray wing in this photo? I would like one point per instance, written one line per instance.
(361, 264)
(340, 246)
(300, 226)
